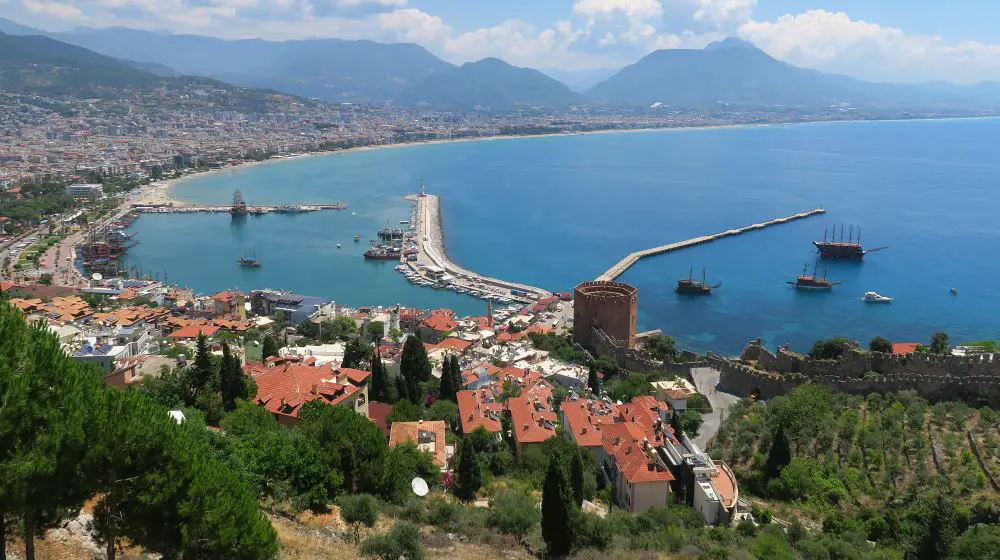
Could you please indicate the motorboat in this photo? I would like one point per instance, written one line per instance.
(875, 297)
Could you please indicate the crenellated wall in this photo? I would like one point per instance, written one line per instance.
(637, 359)
(936, 378)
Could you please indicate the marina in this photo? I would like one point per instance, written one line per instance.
(623, 265)
(425, 262)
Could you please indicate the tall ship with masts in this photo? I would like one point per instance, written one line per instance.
(239, 207)
(690, 286)
(815, 283)
(834, 249)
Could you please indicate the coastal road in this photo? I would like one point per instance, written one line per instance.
(705, 381)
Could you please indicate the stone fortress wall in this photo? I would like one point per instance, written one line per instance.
(639, 360)
(974, 379)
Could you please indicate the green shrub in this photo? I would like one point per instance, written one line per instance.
(746, 528)
(513, 512)
(413, 510)
(442, 512)
(402, 541)
(359, 509)
(590, 531)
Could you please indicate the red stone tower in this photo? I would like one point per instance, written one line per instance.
(610, 306)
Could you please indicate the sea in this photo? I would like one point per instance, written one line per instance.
(556, 211)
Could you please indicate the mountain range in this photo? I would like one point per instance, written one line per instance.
(43, 66)
(728, 73)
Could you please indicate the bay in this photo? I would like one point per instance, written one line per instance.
(555, 211)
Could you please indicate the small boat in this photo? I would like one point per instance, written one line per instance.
(875, 297)
(338, 245)
(247, 262)
(691, 286)
(814, 283)
(357, 238)
(954, 291)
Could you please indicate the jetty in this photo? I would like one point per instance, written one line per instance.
(621, 266)
(430, 241)
(253, 210)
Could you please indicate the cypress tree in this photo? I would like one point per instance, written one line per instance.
(456, 373)
(379, 389)
(593, 381)
(446, 391)
(576, 477)
(234, 383)
(779, 455)
(470, 474)
(557, 508)
(269, 349)
(414, 364)
(201, 373)
(402, 389)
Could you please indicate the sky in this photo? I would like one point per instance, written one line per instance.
(879, 40)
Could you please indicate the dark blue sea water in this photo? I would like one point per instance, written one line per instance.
(559, 210)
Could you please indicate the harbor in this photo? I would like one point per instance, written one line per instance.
(623, 265)
(251, 210)
(424, 261)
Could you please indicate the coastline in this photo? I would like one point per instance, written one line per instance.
(162, 191)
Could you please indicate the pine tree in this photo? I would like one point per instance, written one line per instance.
(675, 423)
(576, 477)
(379, 387)
(779, 455)
(557, 508)
(470, 474)
(269, 349)
(593, 381)
(355, 352)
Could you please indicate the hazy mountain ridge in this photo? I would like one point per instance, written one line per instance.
(729, 72)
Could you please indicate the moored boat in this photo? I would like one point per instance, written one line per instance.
(690, 286)
(875, 297)
(814, 283)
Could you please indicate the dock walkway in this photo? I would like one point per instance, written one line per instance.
(621, 266)
(430, 240)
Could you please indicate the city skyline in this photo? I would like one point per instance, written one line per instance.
(892, 41)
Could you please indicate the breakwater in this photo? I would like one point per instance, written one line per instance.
(430, 241)
(255, 210)
(621, 266)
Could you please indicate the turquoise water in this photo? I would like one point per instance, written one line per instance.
(559, 210)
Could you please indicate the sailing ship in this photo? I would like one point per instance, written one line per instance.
(804, 282)
(383, 253)
(239, 207)
(249, 262)
(695, 287)
(839, 250)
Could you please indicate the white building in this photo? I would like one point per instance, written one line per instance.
(91, 190)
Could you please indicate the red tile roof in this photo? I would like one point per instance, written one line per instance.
(439, 321)
(378, 414)
(428, 435)
(584, 418)
(284, 389)
(904, 347)
(634, 458)
(452, 343)
(476, 410)
(532, 420)
(192, 331)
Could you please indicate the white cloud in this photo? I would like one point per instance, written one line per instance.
(58, 10)
(413, 25)
(834, 42)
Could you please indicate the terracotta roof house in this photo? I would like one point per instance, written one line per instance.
(427, 435)
(479, 408)
(532, 422)
(438, 324)
(642, 479)
(904, 347)
(582, 420)
(283, 389)
(378, 413)
(191, 332)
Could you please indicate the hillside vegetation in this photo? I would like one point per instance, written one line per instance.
(882, 466)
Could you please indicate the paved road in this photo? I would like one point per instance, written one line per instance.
(705, 380)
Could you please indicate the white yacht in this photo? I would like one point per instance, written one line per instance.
(875, 297)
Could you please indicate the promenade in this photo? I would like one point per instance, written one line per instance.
(621, 266)
(430, 241)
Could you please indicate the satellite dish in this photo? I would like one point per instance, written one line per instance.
(97, 276)
(419, 487)
(246, 305)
